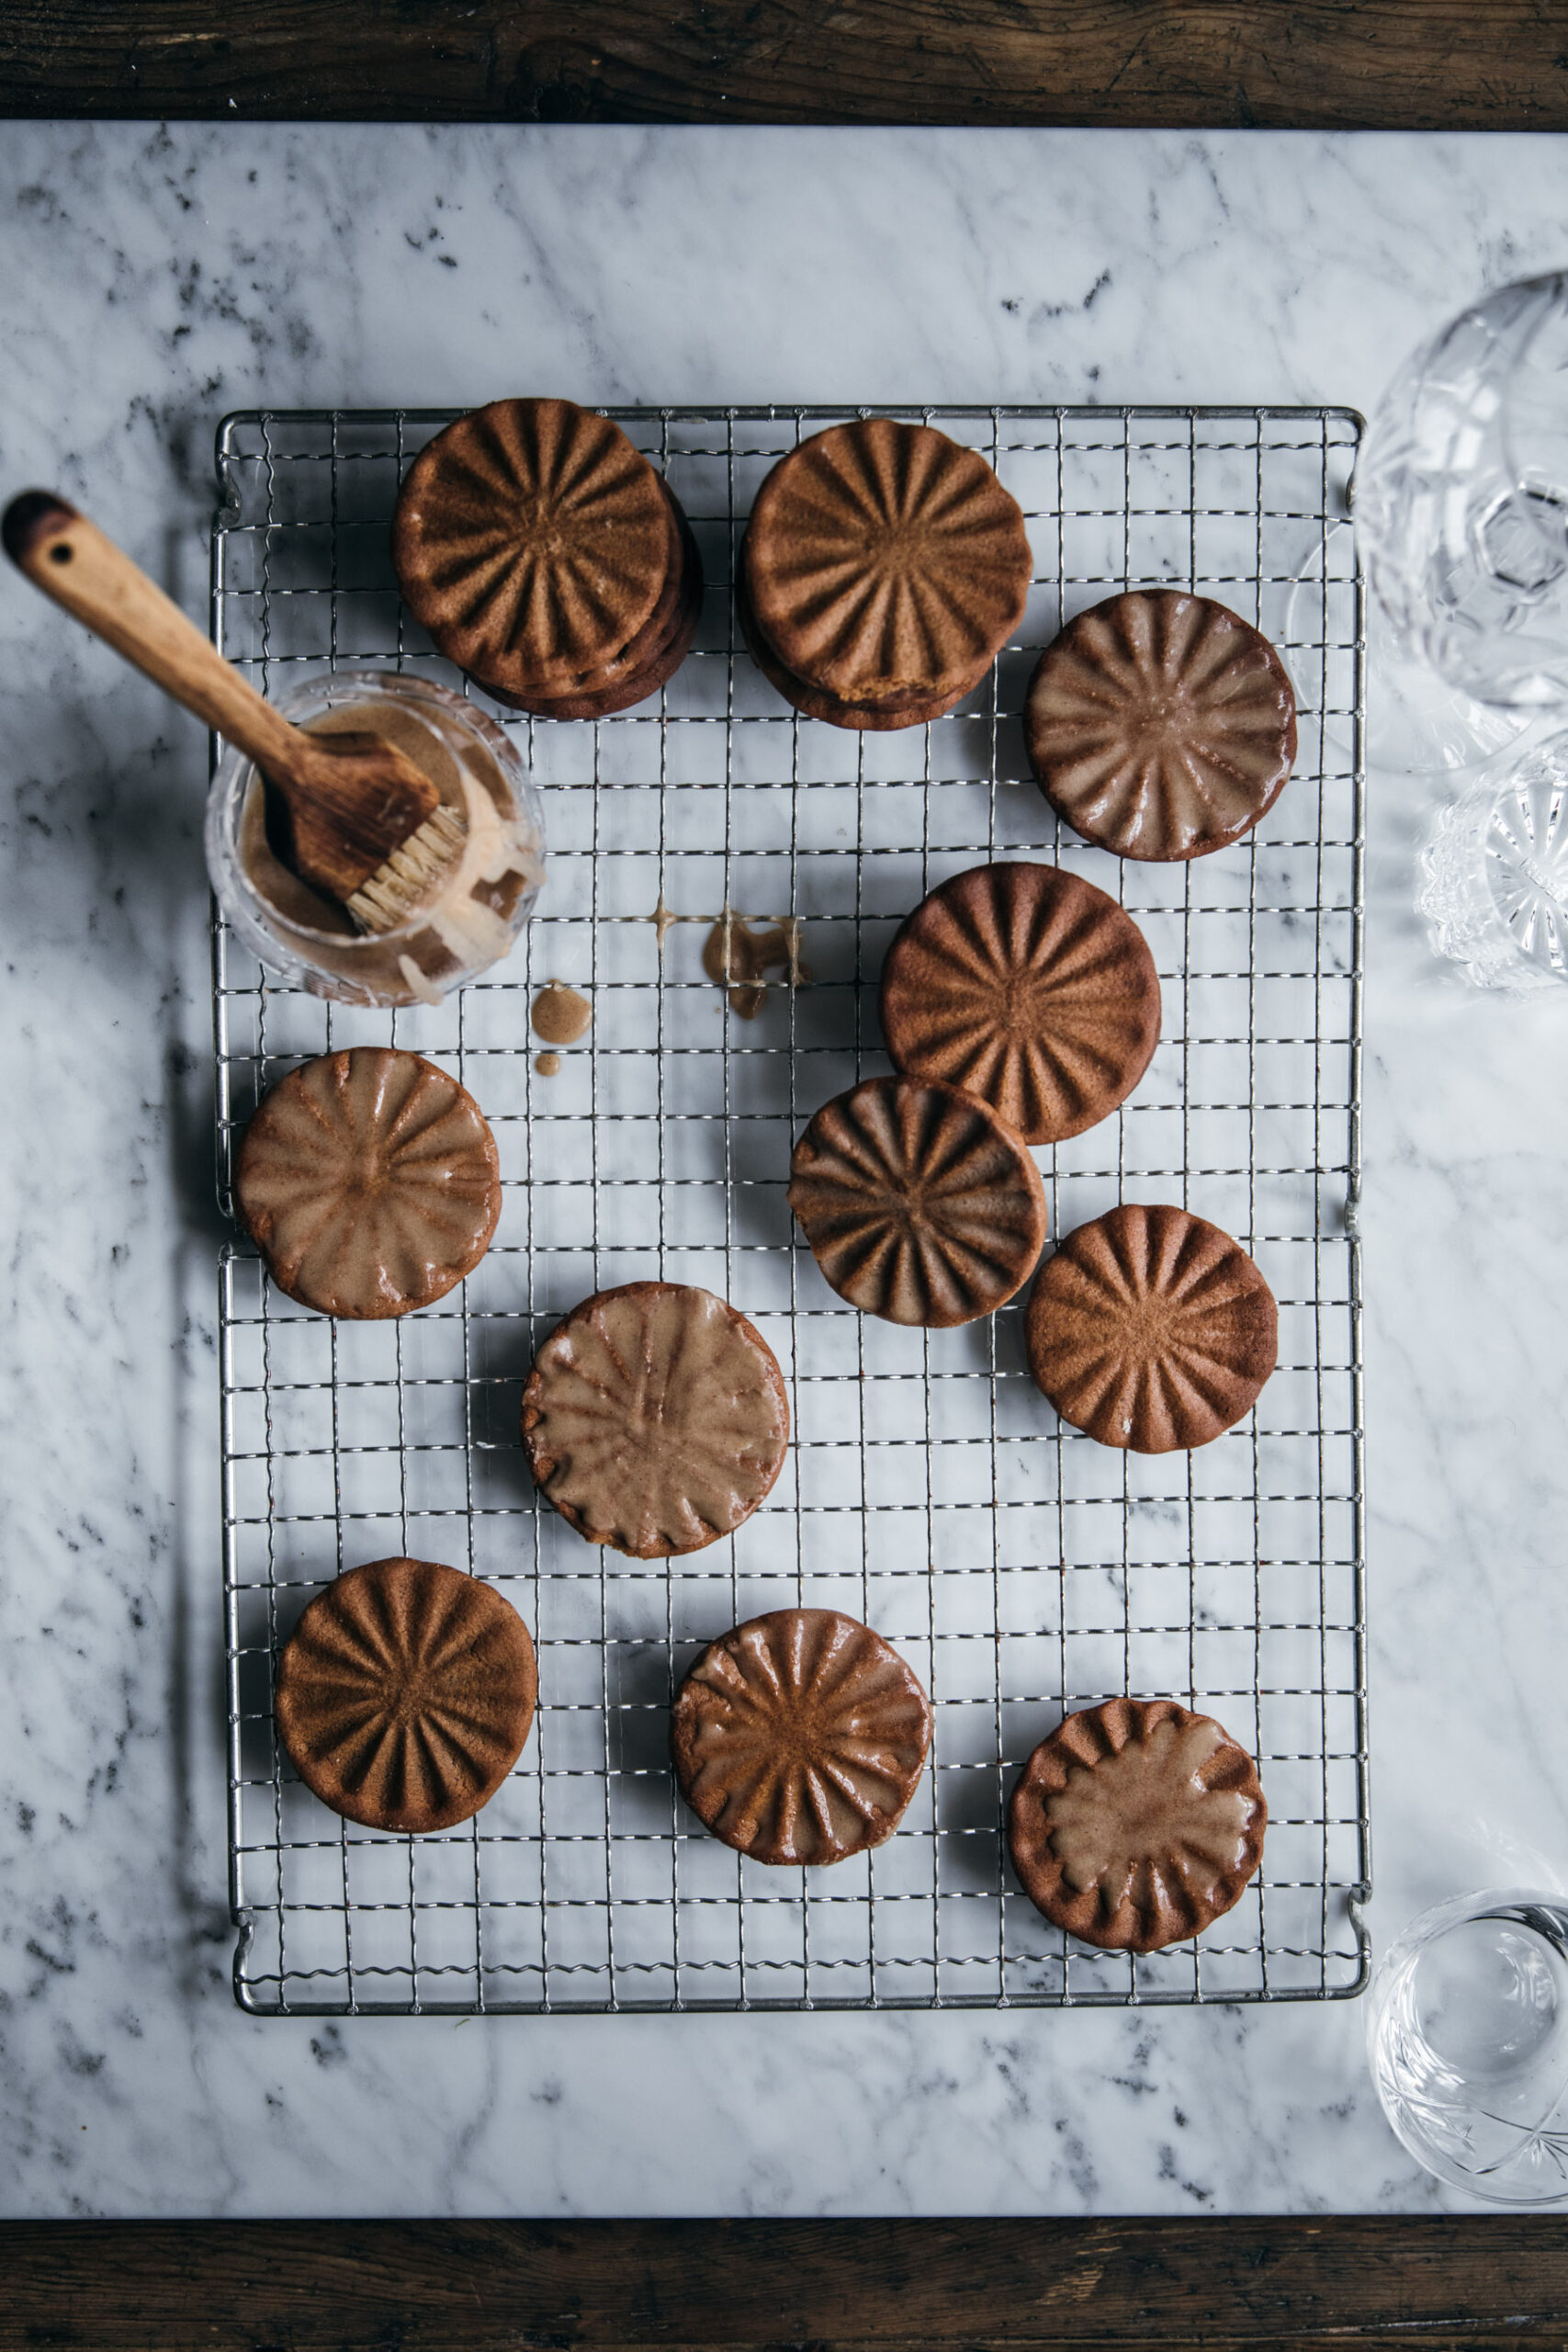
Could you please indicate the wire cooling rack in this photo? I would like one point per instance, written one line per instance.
(1020, 1569)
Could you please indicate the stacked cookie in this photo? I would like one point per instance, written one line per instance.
(883, 569)
(547, 558)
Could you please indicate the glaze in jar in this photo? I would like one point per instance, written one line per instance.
(470, 925)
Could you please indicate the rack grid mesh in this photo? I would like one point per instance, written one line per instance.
(1020, 1569)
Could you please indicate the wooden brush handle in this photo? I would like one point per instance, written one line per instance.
(71, 561)
(338, 810)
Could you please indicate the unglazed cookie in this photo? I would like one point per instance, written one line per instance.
(370, 1182)
(655, 1418)
(404, 1694)
(883, 718)
(883, 569)
(919, 1202)
(800, 1737)
(1160, 725)
(1027, 986)
(650, 663)
(1151, 1329)
(1136, 1824)
(546, 556)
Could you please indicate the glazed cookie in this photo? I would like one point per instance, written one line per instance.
(1136, 1824)
(370, 1182)
(1160, 725)
(655, 1418)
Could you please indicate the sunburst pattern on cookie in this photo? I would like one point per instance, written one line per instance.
(1138, 1823)
(534, 543)
(800, 1737)
(649, 662)
(1160, 725)
(370, 1182)
(885, 560)
(919, 1202)
(405, 1693)
(1151, 1329)
(1027, 987)
(655, 1418)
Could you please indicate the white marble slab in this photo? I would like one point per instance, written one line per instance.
(148, 281)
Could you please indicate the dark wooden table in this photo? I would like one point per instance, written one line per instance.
(1341, 64)
(1447, 2284)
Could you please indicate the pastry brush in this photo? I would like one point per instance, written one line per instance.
(348, 812)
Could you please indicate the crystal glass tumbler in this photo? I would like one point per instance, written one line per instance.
(1493, 869)
(472, 920)
(1461, 498)
(1467, 2031)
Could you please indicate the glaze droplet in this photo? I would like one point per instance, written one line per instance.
(663, 920)
(737, 955)
(560, 1016)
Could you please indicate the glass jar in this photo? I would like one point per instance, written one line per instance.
(470, 925)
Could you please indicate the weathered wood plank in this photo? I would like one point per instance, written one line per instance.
(872, 2286)
(1412, 64)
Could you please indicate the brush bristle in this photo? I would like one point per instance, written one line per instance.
(411, 873)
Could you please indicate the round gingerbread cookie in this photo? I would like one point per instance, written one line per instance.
(800, 1737)
(370, 1183)
(1027, 987)
(814, 702)
(405, 1693)
(539, 547)
(1136, 1824)
(655, 1418)
(921, 1204)
(883, 568)
(1160, 725)
(1151, 1329)
(650, 663)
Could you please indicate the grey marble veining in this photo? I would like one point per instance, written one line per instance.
(150, 280)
